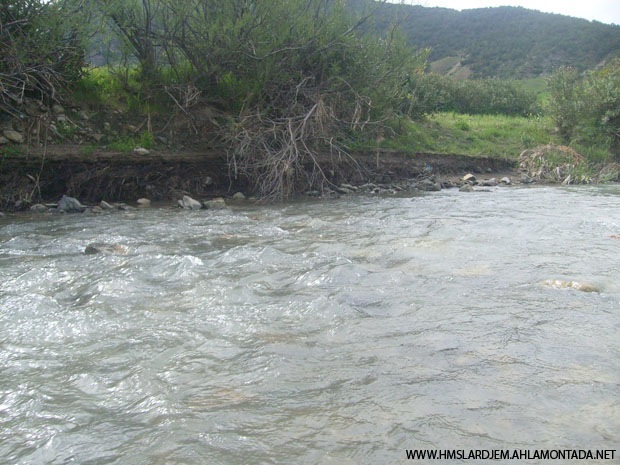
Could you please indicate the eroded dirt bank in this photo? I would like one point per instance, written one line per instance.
(37, 175)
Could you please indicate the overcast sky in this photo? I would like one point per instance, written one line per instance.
(605, 11)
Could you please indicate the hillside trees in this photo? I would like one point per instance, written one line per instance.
(430, 93)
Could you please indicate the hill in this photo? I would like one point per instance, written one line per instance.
(509, 42)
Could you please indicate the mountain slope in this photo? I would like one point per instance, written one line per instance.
(505, 41)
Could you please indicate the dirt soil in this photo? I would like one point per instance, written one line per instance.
(43, 175)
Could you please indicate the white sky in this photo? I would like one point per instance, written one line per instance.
(605, 11)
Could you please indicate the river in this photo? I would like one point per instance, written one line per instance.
(338, 332)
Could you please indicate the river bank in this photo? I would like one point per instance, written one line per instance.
(44, 175)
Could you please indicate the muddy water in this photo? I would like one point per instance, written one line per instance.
(341, 332)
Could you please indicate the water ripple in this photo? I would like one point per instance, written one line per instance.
(340, 332)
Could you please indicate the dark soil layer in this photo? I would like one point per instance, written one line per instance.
(39, 175)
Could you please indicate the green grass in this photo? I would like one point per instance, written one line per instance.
(127, 144)
(536, 85)
(492, 135)
(121, 89)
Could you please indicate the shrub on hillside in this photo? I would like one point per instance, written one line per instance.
(296, 77)
(586, 107)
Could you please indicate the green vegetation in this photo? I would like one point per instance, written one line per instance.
(430, 93)
(507, 42)
(586, 107)
(491, 135)
(127, 144)
(274, 83)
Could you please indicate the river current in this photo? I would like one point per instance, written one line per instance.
(338, 332)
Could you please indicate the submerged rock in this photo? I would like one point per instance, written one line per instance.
(70, 205)
(562, 284)
(102, 247)
(189, 204)
(215, 204)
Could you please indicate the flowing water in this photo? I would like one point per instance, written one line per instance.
(339, 332)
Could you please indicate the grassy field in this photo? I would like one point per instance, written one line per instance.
(538, 86)
(500, 136)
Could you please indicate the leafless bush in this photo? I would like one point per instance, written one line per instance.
(281, 154)
(40, 52)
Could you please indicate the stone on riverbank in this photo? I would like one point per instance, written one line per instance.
(489, 182)
(141, 151)
(14, 136)
(102, 247)
(505, 180)
(469, 178)
(39, 208)
(215, 204)
(429, 185)
(105, 205)
(70, 205)
(239, 196)
(189, 204)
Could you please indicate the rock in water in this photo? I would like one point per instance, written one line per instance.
(466, 188)
(239, 196)
(429, 185)
(105, 205)
(190, 204)
(70, 205)
(505, 180)
(215, 204)
(561, 284)
(102, 247)
(143, 203)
